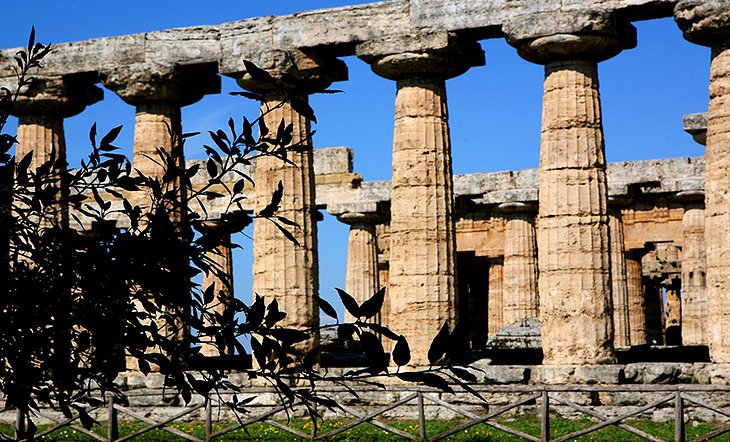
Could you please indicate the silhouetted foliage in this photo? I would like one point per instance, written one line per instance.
(76, 302)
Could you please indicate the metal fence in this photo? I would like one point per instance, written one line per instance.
(540, 399)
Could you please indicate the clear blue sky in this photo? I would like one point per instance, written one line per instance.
(494, 110)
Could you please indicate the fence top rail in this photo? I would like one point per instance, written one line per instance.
(567, 388)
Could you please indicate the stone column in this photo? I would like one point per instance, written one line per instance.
(217, 312)
(495, 320)
(694, 298)
(573, 247)
(423, 249)
(519, 296)
(282, 270)
(708, 23)
(41, 110)
(619, 287)
(636, 301)
(362, 279)
(158, 97)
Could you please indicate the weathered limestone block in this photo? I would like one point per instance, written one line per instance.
(362, 279)
(636, 301)
(217, 312)
(282, 270)
(522, 334)
(519, 293)
(708, 23)
(41, 108)
(573, 241)
(598, 374)
(495, 293)
(619, 288)
(499, 374)
(422, 249)
(659, 372)
(694, 296)
(553, 374)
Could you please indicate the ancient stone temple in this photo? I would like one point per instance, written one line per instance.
(579, 258)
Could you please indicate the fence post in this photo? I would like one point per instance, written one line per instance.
(421, 417)
(545, 417)
(678, 417)
(112, 429)
(208, 418)
(19, 425)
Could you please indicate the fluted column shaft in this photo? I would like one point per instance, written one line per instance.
(717, 203)
(520, 295)
(575, 301)
(619, 286)
(361, 279)
(495, 319)
(422, 249)
(156, 124)
(708, 23)
(422, 277)
(694, 298)
(217, 312)
(636, 300)
(282, 270)
(42, 135)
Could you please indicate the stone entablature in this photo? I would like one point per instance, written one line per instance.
(655, 177)
(340, 29)
(341, 190)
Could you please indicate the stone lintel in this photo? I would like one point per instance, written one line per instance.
(63, 96)
(183, 45)
(696, 125)
(479, 16)
(180, 85)
(354, 24)
(302, 70)
(703, 22)
(436, 54)
(553, 36)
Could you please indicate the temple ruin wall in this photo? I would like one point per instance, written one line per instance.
(605, 244)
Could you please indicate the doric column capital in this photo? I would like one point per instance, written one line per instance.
(362, 218)
(696, 125)
(180, 86)
(703, 22)
(62, 96)
(690, 197)
(594, 36)
(618, 202)
(439, 54)
(516, 207)
(360, 213)
(303, 70)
